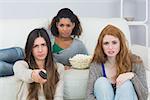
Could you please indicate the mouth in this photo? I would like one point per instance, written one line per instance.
(66, 33)
(40, 55)
(110, 52)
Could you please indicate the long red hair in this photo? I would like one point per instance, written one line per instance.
(123, 58)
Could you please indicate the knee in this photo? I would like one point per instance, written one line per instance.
(2, 67)
(20, 52)
(103, 89)
(127, 85)
(101, 82)
(5, 69)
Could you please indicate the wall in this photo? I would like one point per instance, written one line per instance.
(20, 9)
(40, 8)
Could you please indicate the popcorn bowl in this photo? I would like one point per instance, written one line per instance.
(80, 61)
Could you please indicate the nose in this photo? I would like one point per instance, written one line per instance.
(40, 49)
(110, 46)
(65, 28)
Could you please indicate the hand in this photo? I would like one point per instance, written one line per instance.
(36, 77)
(123, 77)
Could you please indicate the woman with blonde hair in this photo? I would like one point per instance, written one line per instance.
(115, 73)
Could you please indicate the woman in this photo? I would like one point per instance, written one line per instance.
(115, 73)
(65, 26)
(38, 57)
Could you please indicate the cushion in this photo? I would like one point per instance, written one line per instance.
(75, 84)
(13, 32)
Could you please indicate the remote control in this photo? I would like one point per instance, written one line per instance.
(43, 74)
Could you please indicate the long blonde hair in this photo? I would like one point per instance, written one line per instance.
(123, 58)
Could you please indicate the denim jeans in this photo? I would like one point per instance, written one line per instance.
(103, 90)
(7, 58)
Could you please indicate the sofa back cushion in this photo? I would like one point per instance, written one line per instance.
(14, 32)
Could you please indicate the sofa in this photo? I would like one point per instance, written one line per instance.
(13, 32)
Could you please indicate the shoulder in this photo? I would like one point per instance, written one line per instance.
(77, 41)
(137, 63)
(21, 63)
(136, 59)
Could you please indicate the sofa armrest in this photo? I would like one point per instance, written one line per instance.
(8, 88)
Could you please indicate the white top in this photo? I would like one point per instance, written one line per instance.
(23, 77)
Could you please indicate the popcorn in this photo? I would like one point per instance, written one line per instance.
(80, 61)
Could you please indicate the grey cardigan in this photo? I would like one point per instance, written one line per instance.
(139, 80)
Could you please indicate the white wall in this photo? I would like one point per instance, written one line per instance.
(41, 8)
(20, 9)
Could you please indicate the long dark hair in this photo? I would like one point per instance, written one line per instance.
(66, 13)
(53, 77)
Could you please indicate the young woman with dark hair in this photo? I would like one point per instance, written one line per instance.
(65, 27)
(38, 57)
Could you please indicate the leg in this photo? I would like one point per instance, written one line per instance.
(11, 55)
(126, 92)
(6, 69)
(103, 89)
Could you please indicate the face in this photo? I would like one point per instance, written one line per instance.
(65, 27)
(39, 49)
(111, 45)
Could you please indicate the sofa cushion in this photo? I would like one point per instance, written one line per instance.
(14, 32)
(75, 84)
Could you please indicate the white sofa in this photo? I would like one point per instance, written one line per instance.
(13, 32)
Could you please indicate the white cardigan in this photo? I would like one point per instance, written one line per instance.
(23, 78)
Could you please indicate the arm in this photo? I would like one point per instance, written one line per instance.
(139, 80)
(90, 85)
(22, 71)
(60, 84)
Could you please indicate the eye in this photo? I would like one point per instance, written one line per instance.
(68, 25)
(114, 42)
(44, 44)
(34, 46)
(106, 43)
(61, 25)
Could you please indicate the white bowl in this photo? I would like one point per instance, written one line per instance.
(129, 18)
(80, 61)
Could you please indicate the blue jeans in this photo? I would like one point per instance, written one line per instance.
(7, 58)
(103, 90)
